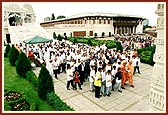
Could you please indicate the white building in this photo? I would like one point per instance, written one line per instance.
(87, 24)
(19, 23)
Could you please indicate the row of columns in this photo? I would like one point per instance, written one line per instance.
(124, 29)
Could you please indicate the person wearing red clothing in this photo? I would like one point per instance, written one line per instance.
(76, 79)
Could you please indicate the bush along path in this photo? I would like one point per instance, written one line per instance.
(23, 95)
(19, 91)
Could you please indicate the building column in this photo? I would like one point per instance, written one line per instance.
(124, 28)
(133, 29)
(157, 96)
(115, 29)
(121, 29)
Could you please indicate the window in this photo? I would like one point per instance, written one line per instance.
(108, 21)
(99, 21)
(104, 21)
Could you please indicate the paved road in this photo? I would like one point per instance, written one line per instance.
(131, 99)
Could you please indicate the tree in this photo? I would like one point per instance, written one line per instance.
(71, 34)
(75, 41)
(60, 17)
(13, 55)
(89, 42)
(7, 49)
(23, 65)
(45, 83)
(95, 35)
(59, 37)
(103, 34)
(54, 35)
(119, 46)
(52, 16)
(146, 26)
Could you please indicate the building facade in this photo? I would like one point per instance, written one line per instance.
(16, 15)
(157, 96)
(89, 24)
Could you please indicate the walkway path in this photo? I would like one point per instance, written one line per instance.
(131, 99)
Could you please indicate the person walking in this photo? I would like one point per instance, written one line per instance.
(92, 78)
(76, 80)
(108, 83)
(118, 77)
(130, 72)
(97, 83)
(69, 77)
(123, 70)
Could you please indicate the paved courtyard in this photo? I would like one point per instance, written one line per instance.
(131, 99)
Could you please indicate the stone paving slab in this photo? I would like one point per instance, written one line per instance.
(131, 99)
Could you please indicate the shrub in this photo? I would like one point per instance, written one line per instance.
(54, 35)
(119, 46)
(23, 65)
(57, 103)
(7, 49)
(70, 34)
(75, 41)
(45, 83)
(31, 76)
(89, 42)
(146, 54)
(59, 37)
(7, 106)
(13, 55)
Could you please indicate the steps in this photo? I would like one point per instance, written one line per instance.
(28, 30)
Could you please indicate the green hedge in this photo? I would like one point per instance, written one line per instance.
(57, 103)
(7, 49)
(31, 76)
(146, 54)
(93, 41)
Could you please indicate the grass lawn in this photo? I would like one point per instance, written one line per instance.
(13, 82)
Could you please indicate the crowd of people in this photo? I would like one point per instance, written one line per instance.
(103, 68)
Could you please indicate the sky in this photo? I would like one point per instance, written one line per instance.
(146, 10)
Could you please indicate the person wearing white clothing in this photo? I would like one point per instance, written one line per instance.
(46, 56)
(108, 83)
(109, 66)
(69, 77)
(55, 67)
(49, 67)
(103, 86)
(136, 63)
(91, 78)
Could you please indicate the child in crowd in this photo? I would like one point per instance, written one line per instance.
(76, 80)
